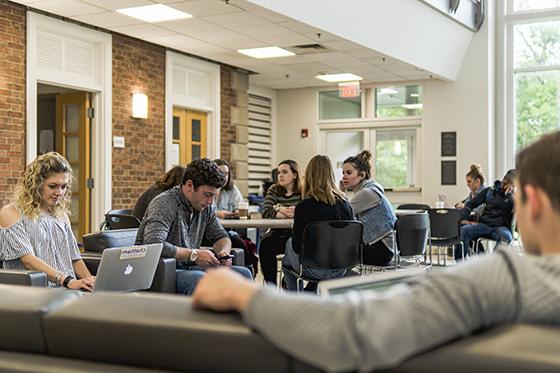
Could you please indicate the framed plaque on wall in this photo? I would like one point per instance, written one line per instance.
(448, 172)
(449, 144)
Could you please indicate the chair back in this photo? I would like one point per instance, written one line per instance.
(117, 220)
(412, 234)
(413, 206)
(444, 223)
(99, 241)
(332, 244)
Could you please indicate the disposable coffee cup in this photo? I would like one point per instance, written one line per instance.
(243, 208)
(440, 204)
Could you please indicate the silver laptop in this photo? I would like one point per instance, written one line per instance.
(128, 268)
(377, 282)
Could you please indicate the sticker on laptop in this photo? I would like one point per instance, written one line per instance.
(134, 252)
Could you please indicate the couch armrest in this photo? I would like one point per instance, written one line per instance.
(238, 257)
(165, 276)
(23, 277)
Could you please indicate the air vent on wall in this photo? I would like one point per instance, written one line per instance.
(307, 49)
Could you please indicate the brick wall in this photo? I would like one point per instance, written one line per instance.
(12, 97)
(228, 99)
(138, 66)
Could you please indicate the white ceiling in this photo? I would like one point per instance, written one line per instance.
(218, 28)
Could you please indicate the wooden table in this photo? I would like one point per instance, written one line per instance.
(408, 212)
(257, 223)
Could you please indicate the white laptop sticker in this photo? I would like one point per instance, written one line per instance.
(133, 252)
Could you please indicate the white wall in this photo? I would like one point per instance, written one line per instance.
(465, 106)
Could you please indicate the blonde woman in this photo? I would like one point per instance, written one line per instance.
(322, 201)
(35, 232)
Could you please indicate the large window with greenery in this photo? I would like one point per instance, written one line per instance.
(332, 106)
(398, 101)
(535, 61)
(394, 161)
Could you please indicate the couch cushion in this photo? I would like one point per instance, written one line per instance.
(21, 312)
(514, 348)
(160, 331)
(102, 240)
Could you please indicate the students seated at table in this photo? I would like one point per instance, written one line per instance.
(371, 207)
(169, 180)
(362, 331)
(475, 183)
(226, 208)
(180, 217)
(279, 203)
(322, 201)
(35, 231)
(496, 219)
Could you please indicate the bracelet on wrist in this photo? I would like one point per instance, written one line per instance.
(67, 281)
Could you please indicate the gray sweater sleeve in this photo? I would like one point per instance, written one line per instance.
(363, 200)
(366, 330)
(157, 224)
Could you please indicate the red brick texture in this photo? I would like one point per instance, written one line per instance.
(138, 67)
(12, 97)
(228, 99)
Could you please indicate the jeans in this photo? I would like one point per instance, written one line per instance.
(471, 232)
(188, 277)
(292, 261)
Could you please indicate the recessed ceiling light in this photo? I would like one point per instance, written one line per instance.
(388, 91)
(266, 52)
(412, 106)
(333, 78)
(154, 13)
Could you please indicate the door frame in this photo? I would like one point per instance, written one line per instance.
(207, 102)
(99, 85)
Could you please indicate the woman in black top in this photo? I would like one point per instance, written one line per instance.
(169, 180)
(322, 201)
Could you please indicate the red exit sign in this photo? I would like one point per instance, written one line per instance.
(349, 89)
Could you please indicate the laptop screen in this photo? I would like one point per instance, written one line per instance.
(378, 282)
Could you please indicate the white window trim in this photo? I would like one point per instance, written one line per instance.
(212, 71)
(101, 150)
(505, 113)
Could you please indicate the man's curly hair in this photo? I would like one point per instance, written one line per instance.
(204, 172)
(28, 191)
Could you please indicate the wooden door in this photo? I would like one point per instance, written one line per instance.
(189, 134)
(73, 132)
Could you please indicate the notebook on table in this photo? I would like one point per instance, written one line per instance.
(129, 268)
(376, 282)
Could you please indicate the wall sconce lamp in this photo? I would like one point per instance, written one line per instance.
(139, 105)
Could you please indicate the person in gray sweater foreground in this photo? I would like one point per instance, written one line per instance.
(365, 331)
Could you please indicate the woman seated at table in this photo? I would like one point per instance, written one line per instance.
(35, 231)
(169, 180)
(475, 183)
(371, 207)
(279, 203)
(226, 208)
(322, 201)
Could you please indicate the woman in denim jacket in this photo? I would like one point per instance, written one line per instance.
(371, 207)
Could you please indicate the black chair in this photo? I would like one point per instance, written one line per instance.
(121, 219)
(330, 244)
(445, 230)
(412, 234)
(413, 206)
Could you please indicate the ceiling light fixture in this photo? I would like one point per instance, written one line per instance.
(334, 78)
(154, 13)
(266, 52)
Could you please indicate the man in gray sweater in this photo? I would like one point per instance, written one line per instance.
(365, 331)
(180, 217)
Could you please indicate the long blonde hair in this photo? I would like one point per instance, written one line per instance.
(319, 181)
(28, 191)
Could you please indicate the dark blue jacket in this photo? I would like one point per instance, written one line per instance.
(499, 206)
